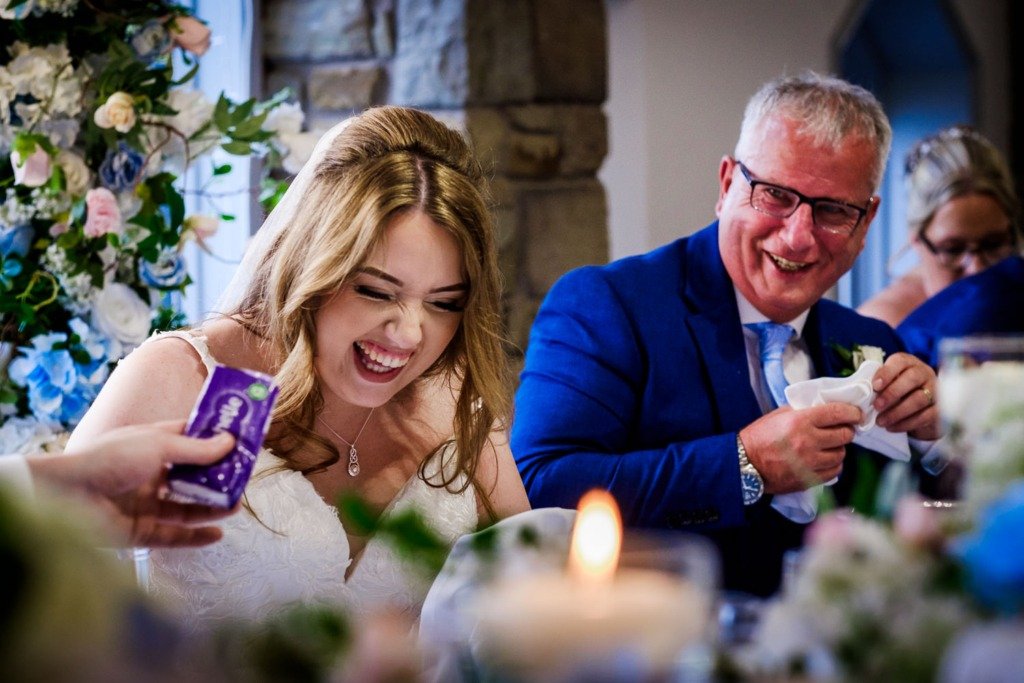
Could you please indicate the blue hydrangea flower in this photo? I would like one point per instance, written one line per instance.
(16, 240)
(150, 40)
(121, 168)
(170, 270)
(994, 554)
(60, 389)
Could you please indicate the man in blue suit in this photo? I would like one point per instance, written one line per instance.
(991, 302)
(641, 377)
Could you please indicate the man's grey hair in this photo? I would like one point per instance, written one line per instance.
(828, 109)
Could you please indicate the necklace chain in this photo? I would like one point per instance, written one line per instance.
(353, 454)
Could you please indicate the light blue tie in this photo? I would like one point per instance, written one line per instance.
(772, 339)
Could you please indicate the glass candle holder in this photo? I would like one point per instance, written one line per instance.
(649, 621)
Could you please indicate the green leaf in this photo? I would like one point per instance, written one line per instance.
(239, 148)
(176, 204)
(222, 169)
(278, 98)
(69, 239)
(220, 113)
(249, 127)
(8, 395)
(356, 514)
(242, 112)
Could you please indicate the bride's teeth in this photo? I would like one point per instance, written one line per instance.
(786, 264)
(379, 361)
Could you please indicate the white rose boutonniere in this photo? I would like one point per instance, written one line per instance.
(853, 357)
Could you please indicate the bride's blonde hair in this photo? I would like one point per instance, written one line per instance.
(386, 161)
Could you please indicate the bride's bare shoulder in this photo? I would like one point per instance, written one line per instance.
(159, 380)
(237, 345)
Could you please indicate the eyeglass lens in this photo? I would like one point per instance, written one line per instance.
(991, 248)
(781, 203)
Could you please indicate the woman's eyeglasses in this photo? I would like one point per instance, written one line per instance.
(956, 254)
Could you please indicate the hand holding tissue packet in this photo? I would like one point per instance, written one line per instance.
(802, 506)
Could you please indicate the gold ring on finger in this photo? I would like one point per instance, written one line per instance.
(928, 395)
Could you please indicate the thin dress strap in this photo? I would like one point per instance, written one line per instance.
(196, 339)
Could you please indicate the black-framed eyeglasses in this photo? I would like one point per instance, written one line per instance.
(777, 201)
(956, 254)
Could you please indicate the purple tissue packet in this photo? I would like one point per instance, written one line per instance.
(236, 401)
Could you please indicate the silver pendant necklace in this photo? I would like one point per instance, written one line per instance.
(353, 454)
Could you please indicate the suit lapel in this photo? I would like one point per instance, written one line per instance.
(714, 326)
(820, 342)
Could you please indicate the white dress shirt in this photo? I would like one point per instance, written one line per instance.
(796, 359)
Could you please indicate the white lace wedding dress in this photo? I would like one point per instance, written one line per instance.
(294, 550)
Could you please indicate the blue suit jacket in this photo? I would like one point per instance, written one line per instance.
(636, 381)
(991, 302)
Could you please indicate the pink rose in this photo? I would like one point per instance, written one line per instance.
(102, 213)
(31, 172)
(832, 530)
(191, 35)
(58, 229)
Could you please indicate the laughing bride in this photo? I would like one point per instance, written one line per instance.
(372, 294)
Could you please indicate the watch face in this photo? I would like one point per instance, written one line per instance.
(753, 487)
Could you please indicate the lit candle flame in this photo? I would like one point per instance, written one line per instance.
(596, 538)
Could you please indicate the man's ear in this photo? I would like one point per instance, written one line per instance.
(725, 174)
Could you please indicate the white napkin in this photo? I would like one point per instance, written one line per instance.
(802, 506)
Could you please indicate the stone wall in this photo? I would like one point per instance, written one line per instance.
(525, 79)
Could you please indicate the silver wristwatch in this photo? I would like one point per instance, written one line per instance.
(750, 479)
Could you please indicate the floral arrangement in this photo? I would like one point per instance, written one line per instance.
(868, 602)
(917, 597)
(96, 131)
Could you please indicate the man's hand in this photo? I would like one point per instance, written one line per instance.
(122, 473)
(796, 449)
(905, 400)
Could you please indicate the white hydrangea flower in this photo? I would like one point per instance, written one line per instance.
(37, 7)
(24, 436)
(62, 132)
(77, 290)
(14, 212)
(63, 7)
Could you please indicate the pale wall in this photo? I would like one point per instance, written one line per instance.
(680, 72)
